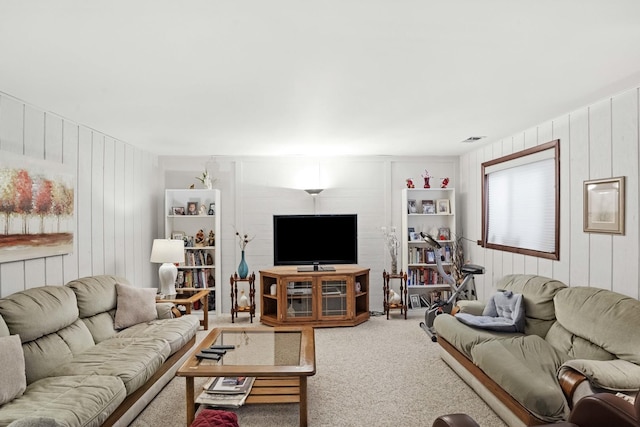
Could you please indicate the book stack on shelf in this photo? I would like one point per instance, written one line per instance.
(424, 277)
(226, 392)
(196, 278)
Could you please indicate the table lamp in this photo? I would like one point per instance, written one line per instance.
(167, 252)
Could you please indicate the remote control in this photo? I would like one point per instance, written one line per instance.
(223, 347)
(213, 351)
(208, 356)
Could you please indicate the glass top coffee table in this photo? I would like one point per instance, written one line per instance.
(280, 358)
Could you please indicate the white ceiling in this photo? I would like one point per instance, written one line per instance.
(315, 77)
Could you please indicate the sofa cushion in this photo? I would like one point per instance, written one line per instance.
(4, 329)
(135, 305)
(133, 360)
(537, 293)
(12, 372)
(574, 346)
(37, 312)
(79, 400)
(36, 422)
(463, 337)
(96, 294)
(176, 331)
(525, 367)
(48, 352)
(607, 319)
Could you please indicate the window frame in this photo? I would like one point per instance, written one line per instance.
(552, 145)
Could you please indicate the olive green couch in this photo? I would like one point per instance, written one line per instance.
(577, 341)
(93, 352)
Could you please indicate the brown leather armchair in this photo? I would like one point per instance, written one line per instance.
(596, 410)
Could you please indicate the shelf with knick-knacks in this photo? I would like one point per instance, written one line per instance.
(193, 215)
(429, 211)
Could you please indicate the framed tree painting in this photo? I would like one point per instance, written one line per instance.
(36, 208)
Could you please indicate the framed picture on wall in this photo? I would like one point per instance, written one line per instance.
(604, 206)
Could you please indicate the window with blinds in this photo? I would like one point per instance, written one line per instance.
(521, 202)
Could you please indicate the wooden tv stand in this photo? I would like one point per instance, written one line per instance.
(315, 298)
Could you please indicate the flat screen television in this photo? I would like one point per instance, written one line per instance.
(315, 239)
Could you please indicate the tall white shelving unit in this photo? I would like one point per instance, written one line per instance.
(202, 265)
(417, 261)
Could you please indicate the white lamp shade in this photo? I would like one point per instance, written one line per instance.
(166, 250)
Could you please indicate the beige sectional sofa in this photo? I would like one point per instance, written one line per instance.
(577, 341)
(94, 352)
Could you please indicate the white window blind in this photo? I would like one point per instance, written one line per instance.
(520, 202)
(521, 211)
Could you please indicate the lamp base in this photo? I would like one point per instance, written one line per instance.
(167, 274)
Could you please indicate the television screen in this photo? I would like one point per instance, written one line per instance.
(315, 239)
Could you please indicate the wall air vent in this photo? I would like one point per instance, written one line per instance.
(473, 139)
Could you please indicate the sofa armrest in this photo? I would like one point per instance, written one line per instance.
(164, 310)
(613, 375)
(473, 307)
(605, 409)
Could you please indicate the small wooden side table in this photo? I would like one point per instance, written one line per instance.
(402, 305)
(235, 308)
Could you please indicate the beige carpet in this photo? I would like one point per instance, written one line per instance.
(380, 373)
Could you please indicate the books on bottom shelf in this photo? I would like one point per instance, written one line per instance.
(229, 392)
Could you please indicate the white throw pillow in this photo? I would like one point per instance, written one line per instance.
(135, 305)
(12, 369)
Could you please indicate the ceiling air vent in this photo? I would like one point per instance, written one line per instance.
(473, 139)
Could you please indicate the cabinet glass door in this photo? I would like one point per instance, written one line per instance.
(334, 298)
(299, 299)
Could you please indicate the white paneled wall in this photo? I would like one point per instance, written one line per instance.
(116, 197)
(255, 189)
(597, 141)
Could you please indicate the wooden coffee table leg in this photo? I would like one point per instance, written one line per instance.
(205, 305)
(191, 400)
(303, 401)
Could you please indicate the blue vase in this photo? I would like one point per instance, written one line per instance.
(243, 268)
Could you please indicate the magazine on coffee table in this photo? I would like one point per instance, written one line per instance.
(229, 385)
(227, 392)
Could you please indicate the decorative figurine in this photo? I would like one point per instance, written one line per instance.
(394, 298)
(410, 183)
(445, 182)
(211, 241)
(199, 238)
(203, 210)
(243, 301)
(426, 177)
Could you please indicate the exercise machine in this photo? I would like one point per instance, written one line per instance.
(465, 290)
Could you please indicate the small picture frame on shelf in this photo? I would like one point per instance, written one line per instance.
(411, 206)
(177, 235)
(431, 257)
(443, 206)
(177, 210)
(428, 207)
(444, 233)
(212, 209)
(415, 300)
(192, 208)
